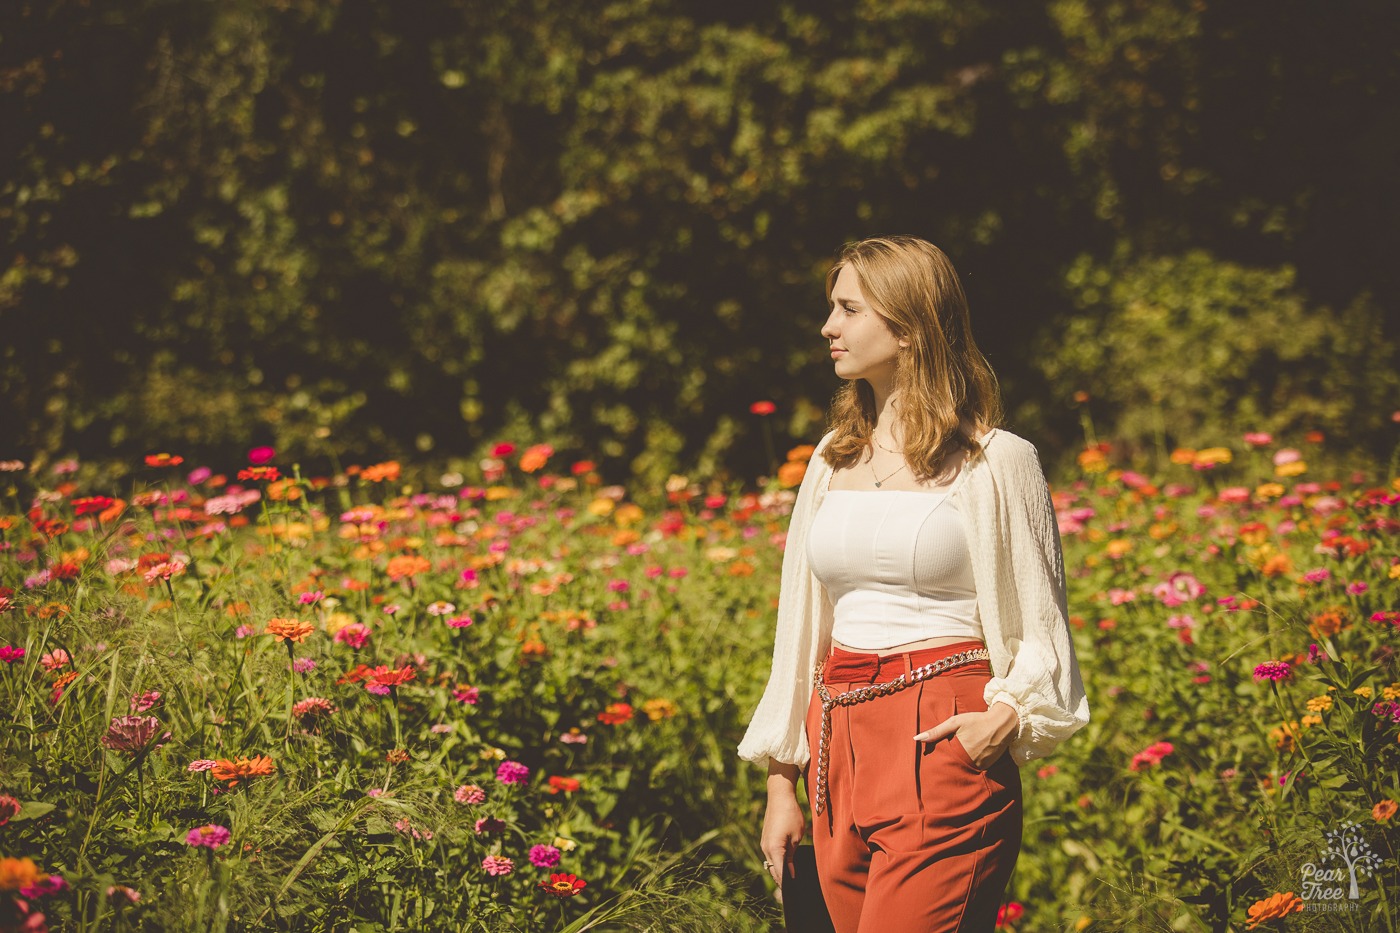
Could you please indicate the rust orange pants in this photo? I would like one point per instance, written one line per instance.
(915, 837)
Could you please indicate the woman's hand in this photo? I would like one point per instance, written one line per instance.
(783, 828)
(984, 736)
(783, 824)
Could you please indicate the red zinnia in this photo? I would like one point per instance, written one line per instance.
(259, 472)
(563, 885)
(163, 460)
(763, 408)
(616, 714)
(385, 676)
(85, 504)
(565, 784)
(360, 672)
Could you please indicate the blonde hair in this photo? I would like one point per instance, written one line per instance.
(943, 381)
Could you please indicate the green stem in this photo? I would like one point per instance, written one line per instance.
(291, 688)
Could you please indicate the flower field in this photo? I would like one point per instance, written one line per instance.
(511, 700)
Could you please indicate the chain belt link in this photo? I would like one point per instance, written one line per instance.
(861, 694)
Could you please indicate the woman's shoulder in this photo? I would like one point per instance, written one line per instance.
(1011, 454)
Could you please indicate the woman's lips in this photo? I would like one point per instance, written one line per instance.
(835, 353)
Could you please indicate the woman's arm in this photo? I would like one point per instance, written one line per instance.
(1043, 684)
(777, 728)
(783, 824)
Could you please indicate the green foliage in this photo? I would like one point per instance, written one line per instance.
(1175, 350)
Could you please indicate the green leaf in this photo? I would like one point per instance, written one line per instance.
(31, 809)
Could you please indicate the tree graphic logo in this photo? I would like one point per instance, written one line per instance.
(1347, 845)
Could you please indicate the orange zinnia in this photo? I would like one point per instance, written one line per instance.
(380, 472)
(790, 474)
(1274, 907)
(16, 873)
(289, 629)
(240, 769)
(407, 565)
(535, 457)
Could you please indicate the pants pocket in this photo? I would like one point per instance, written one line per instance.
(960, 752)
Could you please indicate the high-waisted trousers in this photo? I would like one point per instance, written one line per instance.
(915, 837)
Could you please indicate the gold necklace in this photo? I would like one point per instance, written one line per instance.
(880, 482)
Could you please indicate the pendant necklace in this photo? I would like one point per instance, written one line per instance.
(880, 482)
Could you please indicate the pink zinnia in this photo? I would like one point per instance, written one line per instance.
(355, 635)
(54, 659)
(497, 865)
(1152, 755)
(468, 695)
(470, 794)
(1273, 670)
(134, 735)
(490, 824)
(208, 837)
(144, 701)
(10, 654)
(202, 764)
(512, 772)
(312, 707)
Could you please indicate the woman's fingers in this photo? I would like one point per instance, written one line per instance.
(945, 728)
(772, 862)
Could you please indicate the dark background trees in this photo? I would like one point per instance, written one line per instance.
(386, 230)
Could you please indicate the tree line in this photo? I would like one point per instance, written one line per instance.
(368, 229)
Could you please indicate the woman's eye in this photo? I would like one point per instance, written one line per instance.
(850, 310)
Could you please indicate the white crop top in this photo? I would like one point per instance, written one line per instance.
(896, 565)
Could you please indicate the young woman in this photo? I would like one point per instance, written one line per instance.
(923, 649)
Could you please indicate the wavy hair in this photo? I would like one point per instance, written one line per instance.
(947, 392)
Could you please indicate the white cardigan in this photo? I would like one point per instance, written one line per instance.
(1019, 569)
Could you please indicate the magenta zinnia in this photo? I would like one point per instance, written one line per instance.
(544, 856)
(512, 772)
(208, 837)
(1273, 670)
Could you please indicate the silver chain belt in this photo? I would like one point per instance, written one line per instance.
(861, 694)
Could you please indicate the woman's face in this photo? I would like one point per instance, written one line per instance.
(863, 346)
